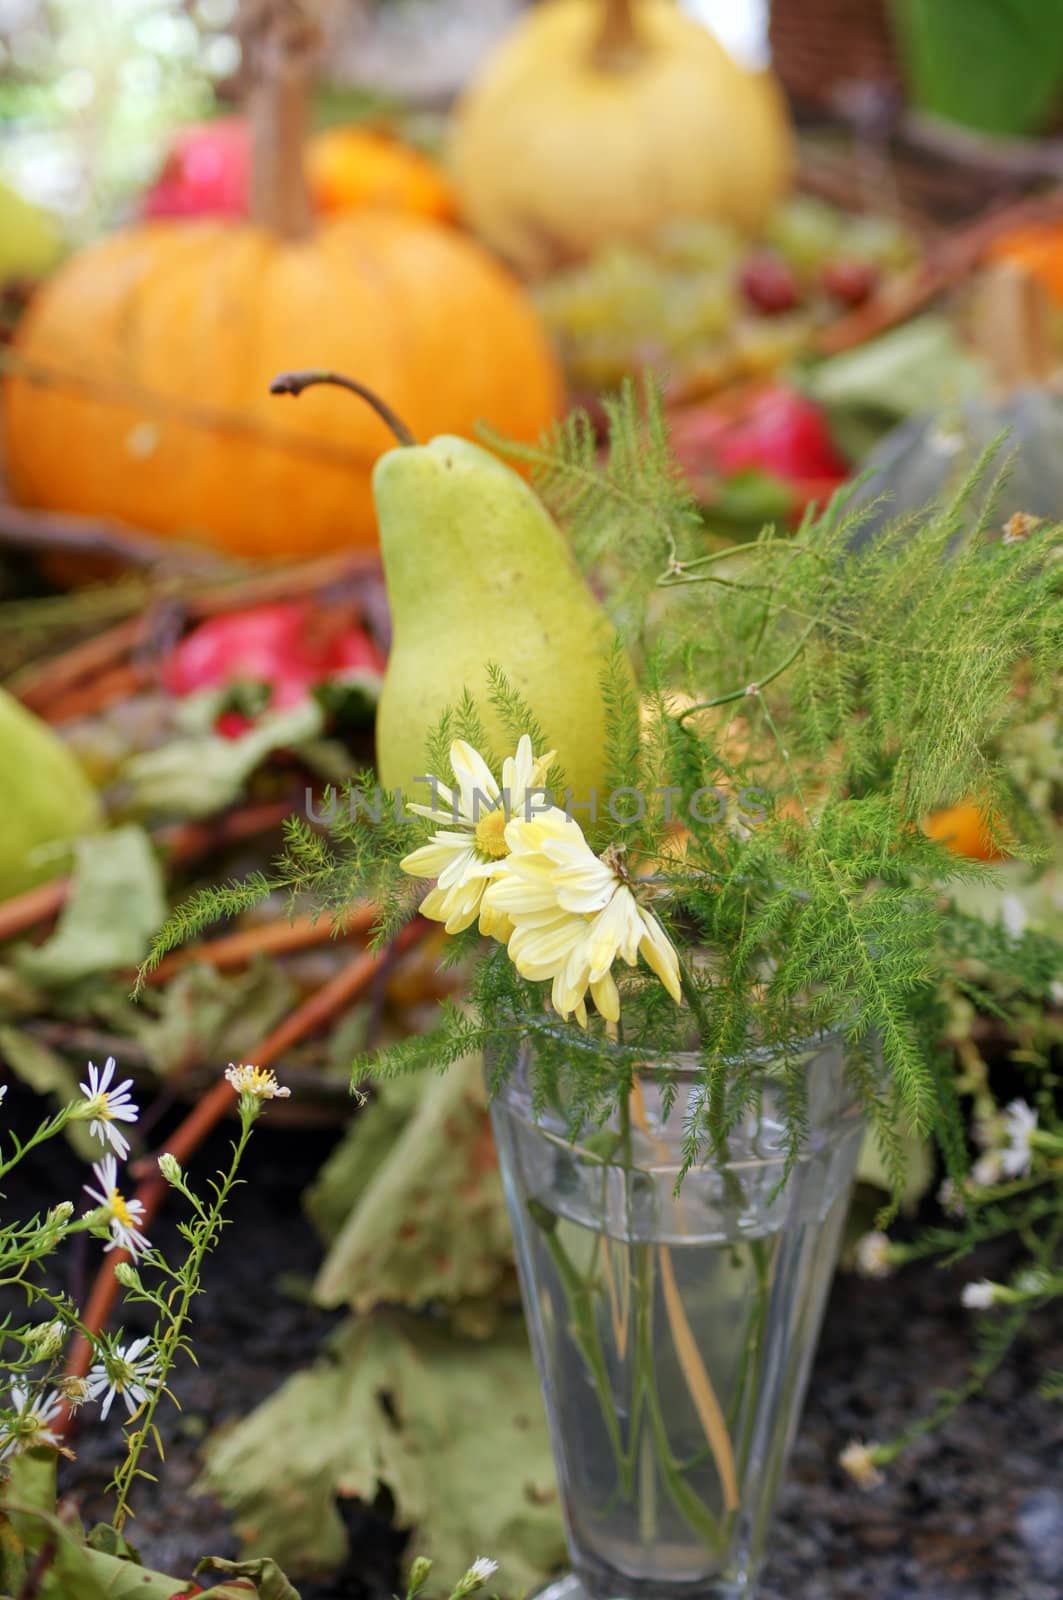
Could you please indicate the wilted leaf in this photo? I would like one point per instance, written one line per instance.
(197, 777)
(115, 905)
(431, 1224)
(208, 1015)
(47, 1073)
(363, 1150)
(76, 1571)
(264, 1577)
(454, 1430)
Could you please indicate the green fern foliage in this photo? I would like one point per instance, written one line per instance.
(803, 702)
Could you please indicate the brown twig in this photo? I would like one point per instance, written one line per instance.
(106, 689)
(182, 844)
(957, 256)
(266, 938)
(52, 530)
(306, 1019)
(40, 684)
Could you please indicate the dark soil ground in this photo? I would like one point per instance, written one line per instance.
(972, 1513)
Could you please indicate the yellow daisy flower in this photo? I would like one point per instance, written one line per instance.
(464, 856)
(573, 915)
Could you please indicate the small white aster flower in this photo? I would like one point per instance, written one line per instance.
(125, 1371)
(1020, 1121)
(988, 1170)
(125, 1216)
(482, 1569)
(950, 1199)
(108, 1105)
(464, 856)
(873, 1256)
(573, 915)
(31, 1424)
(3, 1090)
(257, 1083)
(858, 1461)
(979, 1296)
(75, 1391)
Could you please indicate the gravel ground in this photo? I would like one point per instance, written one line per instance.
(973, 1513)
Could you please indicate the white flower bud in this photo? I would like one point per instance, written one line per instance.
(979, 1296)
(170, 1167)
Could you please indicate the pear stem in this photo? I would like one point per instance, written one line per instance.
(295, 382)
(619, 44)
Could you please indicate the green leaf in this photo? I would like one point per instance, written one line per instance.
(116, 903)
(431, 1223)
(365, 1147)
(913, 368)
(47, 1073)
(199, 776)
(208, 1015)
(454, 1429)
(266, 1578)
(994, 65)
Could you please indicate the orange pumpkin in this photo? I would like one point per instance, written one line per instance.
(1039, 249)
(146, 364)
(962, 828)
(141, 372)
(349, 168)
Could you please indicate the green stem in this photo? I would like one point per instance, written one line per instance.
(584, 1327)
(205, 1235)
(684, 1499)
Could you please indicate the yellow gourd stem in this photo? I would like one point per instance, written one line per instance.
(280, 40)
(618, 45)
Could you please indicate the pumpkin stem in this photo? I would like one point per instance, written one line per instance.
(280, 42)
(295, 382)
(619, 44)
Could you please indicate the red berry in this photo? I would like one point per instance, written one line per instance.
(769, 284)
(852, 282)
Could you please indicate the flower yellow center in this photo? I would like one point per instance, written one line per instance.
(490, 835)
(119, 1210)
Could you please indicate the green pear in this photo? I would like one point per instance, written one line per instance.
(47, 800)
(478, 574)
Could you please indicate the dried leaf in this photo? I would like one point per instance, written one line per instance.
(363, 1150)
(264, 1577)
(115, 905)
(454, 1430)
(207, 1015)
(431, 1225)
(198, 776)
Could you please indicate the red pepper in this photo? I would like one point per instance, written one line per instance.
(777, 430)
(287, 648)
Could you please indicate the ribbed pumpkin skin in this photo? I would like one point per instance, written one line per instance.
(149, 357)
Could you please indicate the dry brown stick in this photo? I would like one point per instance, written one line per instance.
(283, 583)
(306, 1019)
(39, 684)
(30, 529)
(957, 256)
(106, 689)
(182, 843)
(266, 938)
